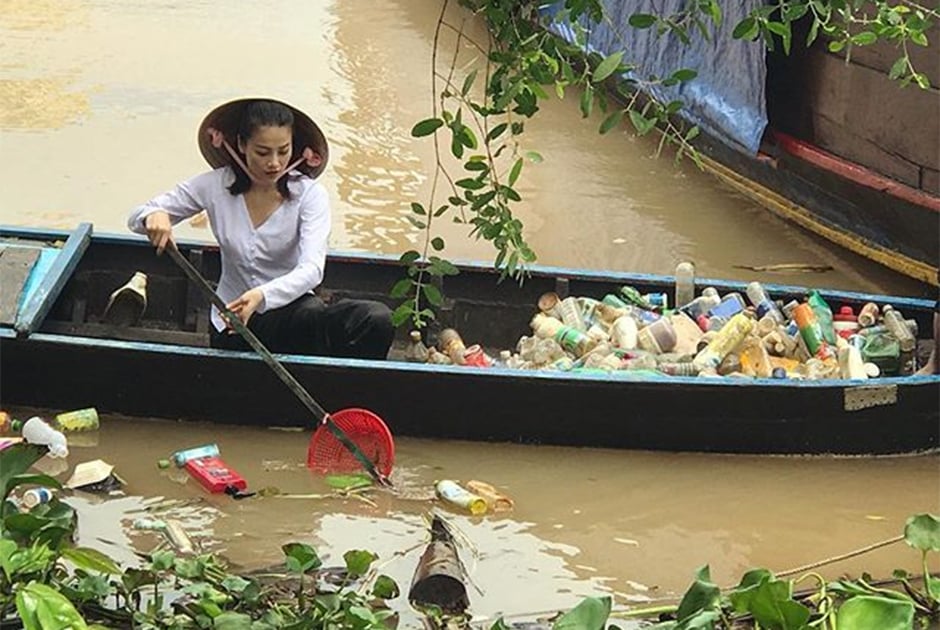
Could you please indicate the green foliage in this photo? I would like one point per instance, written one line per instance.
(590, 614)
(868, 612)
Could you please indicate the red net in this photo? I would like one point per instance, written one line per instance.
(366, 430)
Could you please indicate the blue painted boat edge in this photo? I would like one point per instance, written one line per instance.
(544, 271)
(34, 311)
(624, 377)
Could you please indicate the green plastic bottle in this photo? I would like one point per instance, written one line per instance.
(823, 316)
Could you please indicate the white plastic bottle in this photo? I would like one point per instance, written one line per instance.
(898, 327)
(685, 283)
(37, 431)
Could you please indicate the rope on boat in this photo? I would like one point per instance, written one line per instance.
(839, 558)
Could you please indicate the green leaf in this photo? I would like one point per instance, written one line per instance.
(441, 210)
(469, 183)
(468, 83)
(437, 243)
(232, 621)
(701, 596)
(606, 67)
(426, 127)
(642, 124)
(613, 120)
(349, 482)
(516, 170)
(922, 531)
(813, 33)
(16, 460)
(864, 38)
(642, 20)
(417, 208)
(401, 288)
(496, 131)
(409, 257)
(922, 81)
(868, 612)
(418, 223)
(44, 608)
(385, 588)
(91, 560)
(836, 45)
(920, 39)
(433, 294)
(235, 584)
(587, 101)
(534, 156)
(898, 69)
(685, 74)
(590, 614)
(401, 314)
(358, 561)
(301, 557)
(748, 29)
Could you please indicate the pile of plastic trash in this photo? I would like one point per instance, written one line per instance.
(708, 335)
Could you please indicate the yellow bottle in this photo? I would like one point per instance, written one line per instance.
(452, 493)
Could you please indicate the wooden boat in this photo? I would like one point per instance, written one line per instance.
(55, 352)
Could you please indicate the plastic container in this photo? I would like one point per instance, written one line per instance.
(755, 361)
(548, 303)
(685, 283)
(588, 308)
(724, 342)
(452, 493)
(688, 333)
(78, 420)
(729, 306)
(416, 352)
(883, 349)
(214, 475)
(658, 337)
(868, 315)
(851, 365)
(845, 322)
(659, 301)
(37, 431)
(702, 304)
(898, 327)
(762, 302)
(36, 496)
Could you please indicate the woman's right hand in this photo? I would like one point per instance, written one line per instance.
(159, 229)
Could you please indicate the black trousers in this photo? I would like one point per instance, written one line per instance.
(349, 328)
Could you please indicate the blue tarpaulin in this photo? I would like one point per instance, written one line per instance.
(726, 99)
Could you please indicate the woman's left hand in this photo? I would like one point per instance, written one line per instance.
(246, 304)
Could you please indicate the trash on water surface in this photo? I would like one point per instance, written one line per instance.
(78, 420)
(94, 476)
(496, 501)
(349, 482)
(451, 492)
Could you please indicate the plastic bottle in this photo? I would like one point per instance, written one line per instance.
(729, 306)
(898, 327)
(548, 303)
(688, 333)
(658, 300)
(588, 307)
(868, 314)
(495, 500)
(452, 345)
(810, 331)
(78, 420)
(452, 493)
(674, 368)
(845, 322)
(37, 431)
(570, 313)
(762, 302)
(755, 360)
(574, 341)
(416, 352)
(632, 296)
(36, 496)
(823, 316)
(197, 452)
(685, 283)
(6, 423)
(729, 338)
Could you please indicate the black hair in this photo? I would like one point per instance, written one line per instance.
(258, 114)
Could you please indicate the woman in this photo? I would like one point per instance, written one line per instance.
(271, 219)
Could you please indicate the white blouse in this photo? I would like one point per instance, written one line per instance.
(285, 256)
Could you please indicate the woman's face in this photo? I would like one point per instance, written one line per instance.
(267, 152)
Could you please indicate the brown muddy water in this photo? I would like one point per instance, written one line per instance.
(99, 103)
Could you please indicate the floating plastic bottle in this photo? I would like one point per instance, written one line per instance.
(416, 352)
(685, 283)
(197, 452)
(452, 493)
(762, 302)
(495, 500)
(37, 431)
(78, 420)
(898, 327)
(727, 339)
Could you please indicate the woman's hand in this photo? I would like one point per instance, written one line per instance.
(246, 304)
(159, 229)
